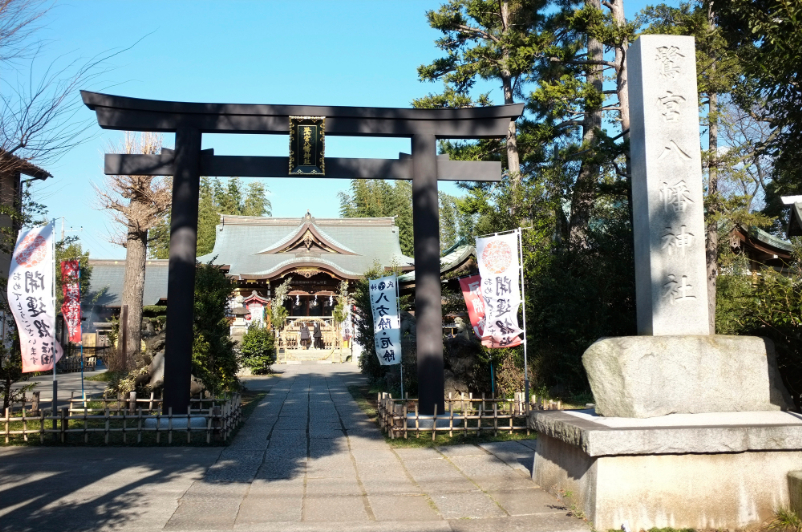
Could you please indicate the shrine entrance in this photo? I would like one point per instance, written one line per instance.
(424, 127)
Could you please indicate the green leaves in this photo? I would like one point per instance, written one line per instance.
(213, 359)
(216, 197)
(378, 198)
(258, 349)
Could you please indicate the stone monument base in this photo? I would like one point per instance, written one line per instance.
(711, 470)
(648, 376)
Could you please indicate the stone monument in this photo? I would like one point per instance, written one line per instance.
(689, 429)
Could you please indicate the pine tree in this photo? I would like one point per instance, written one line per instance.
(208, 218)
(449, 227)
(216, 197)
(375, 198)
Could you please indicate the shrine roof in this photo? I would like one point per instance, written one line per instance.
(108, 275)
(264, 247)
(452, 258)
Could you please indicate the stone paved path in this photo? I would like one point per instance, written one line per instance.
(308, 459)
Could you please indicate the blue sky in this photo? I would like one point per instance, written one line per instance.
(325, 52)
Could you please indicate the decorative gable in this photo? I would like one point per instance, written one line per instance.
(308, 238)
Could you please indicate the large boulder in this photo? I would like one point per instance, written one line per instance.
(155, 376)
(649, 376)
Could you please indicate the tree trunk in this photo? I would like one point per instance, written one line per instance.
(513, 161)
(711, 251)
(585, 187)
(622, 87)
(134, 289)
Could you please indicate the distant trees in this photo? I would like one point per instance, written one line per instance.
(368, 198)
(374, 198)
(137, 203)
(216, 197)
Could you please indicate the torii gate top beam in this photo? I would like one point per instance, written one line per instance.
(134, 114)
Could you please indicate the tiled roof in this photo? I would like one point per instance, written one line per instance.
(242, 242)
(452, 257)
(108, 275)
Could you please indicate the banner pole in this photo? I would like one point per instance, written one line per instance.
(55, 315)
(401, 350)
(523, 308)
(81, 344)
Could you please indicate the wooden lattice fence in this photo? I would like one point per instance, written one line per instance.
(131, 418)
(464, 414)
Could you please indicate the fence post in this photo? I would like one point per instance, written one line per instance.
(405, 421)
(8, 414)
(64, 412)
(24, 421)
(35, 404)
(169, 425)
(216, 424)
(106, 435)
(434, 423)
(132, 403)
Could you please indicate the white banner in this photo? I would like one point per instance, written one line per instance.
(499, 270)
(30, 295)
(386, 322)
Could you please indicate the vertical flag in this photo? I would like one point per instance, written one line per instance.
(499, 270)
(386, 322)
(472, 292)
(30, 296)
(71, 307)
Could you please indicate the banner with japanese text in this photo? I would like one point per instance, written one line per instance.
(386, 322)
(499, 270)
(30, 295)
(472, 292)
(71, 306)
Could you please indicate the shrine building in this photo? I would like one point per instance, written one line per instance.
(260, 253)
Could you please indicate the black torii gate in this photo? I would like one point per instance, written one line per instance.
(188, 162)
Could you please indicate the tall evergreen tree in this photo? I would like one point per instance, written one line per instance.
(375, 198)
(216, 197)
(208, 217)
(449, 225)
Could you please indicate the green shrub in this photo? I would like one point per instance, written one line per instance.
(214, 361)
(767, 304)
(258, 350)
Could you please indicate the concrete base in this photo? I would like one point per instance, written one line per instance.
(727, 470)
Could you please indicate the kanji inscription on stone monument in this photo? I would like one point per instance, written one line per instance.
(667, 197)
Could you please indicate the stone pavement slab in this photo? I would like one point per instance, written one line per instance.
(308, 459)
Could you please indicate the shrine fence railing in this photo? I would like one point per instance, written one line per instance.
(464, 414)
(128, 421)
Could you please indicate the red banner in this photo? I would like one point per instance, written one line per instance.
(71, 307)
(471, 291)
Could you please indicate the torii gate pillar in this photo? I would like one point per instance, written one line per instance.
(181, 278)
(428, 312)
